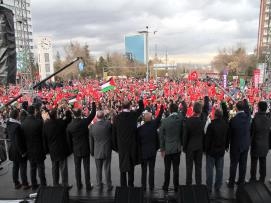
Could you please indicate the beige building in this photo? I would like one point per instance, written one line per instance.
(264, 33)
(45, 56)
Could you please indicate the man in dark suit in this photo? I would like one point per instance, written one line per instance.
(125, 141)
(149, 144)
(260, 129)
(239, 141)
(78, 140)
(32, 131)
(193, 144)
(100, 136)
(215, 146)
(17, 150)
(55, 142)
(170, 134)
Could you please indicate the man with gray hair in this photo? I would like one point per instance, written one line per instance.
(100, 135)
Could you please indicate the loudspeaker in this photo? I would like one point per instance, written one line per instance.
(53, 195)
(127, 194)
(193, 194)
(256, 192)
(8, 65)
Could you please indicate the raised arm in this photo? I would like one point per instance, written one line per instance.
(140, 109)
(92, 114)
(159, 117)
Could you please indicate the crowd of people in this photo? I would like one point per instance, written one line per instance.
(136, 120)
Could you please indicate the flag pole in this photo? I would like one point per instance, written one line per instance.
(43, 81)
(222, 88)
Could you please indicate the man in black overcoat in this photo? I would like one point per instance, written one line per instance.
(32, 131)
(260, 129)
(125, 141)
(78, 141)
(17, 150)
(55, 143)
(239, 141)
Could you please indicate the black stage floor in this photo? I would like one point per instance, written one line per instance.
(7, 191)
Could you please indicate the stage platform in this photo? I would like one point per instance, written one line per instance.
(7, 191)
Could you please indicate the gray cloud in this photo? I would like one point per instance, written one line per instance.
(187, 27)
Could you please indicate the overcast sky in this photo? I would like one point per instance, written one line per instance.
(190, 30)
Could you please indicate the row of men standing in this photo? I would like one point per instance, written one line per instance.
(137, 145)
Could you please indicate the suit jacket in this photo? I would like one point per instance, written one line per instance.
(260, 129)
(55, 139)
(100, 137)
(239, 133)
(32, 130)
(17, 146)
(193, 134)
(77, 132)
(170, 134)
(148, 137)
(216, 138)
(125, 138)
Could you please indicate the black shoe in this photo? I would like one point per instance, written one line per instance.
(89, 187)
(252, 180)
(18, 186)
(165, 189)
(230, 185)
(69, 187)
(79, 187)
(35, 187)
(110, 188)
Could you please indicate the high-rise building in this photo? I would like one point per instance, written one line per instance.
(135, 48)
(23, 34)
(264, 33)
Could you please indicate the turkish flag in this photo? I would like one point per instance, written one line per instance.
(193, 75)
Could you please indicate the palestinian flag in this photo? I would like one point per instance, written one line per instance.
(109, 85)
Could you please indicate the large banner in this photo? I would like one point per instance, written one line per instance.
(8, 67)
(256, 77)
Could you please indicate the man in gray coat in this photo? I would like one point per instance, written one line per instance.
(170, 134)
(100, 135)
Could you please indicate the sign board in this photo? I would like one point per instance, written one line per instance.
(262, 68)
(164, 66)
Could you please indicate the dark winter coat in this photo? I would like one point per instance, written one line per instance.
(32, 130)
(216, 138)
(239, 133)
(17, 147)
(260, 129)
(55, 139)
(148, 137)
(193, 134)
(125, 138)
(77, 132)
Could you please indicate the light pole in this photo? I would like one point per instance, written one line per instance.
(146, 32)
